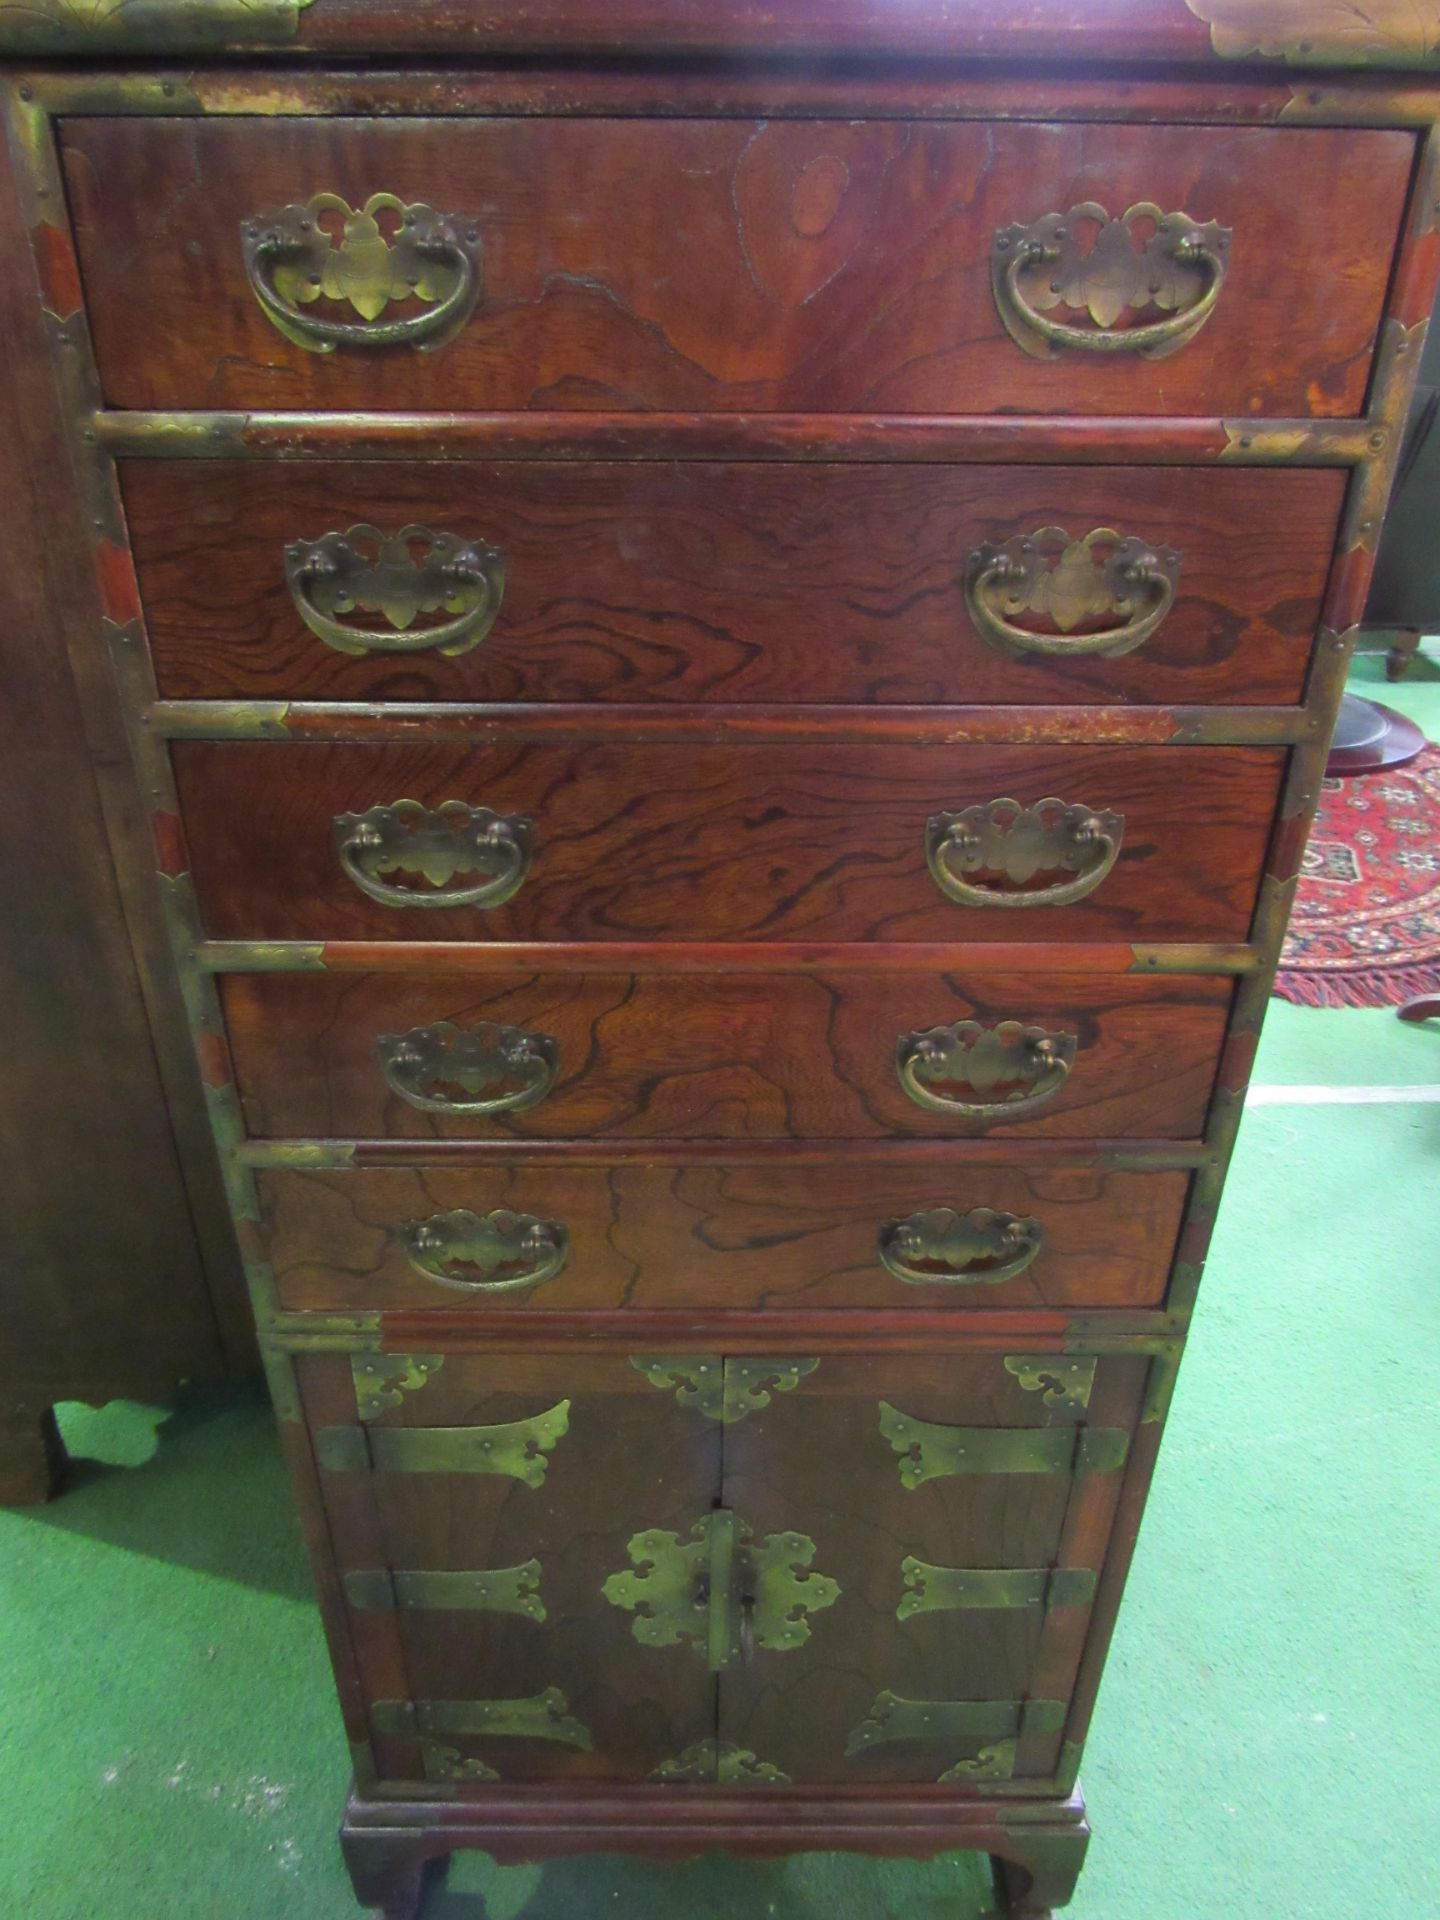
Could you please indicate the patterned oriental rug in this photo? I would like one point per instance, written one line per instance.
(1366, 927)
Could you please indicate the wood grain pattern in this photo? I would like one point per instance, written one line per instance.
(631, 1458)
(798, 1708)
(721, 1237)
(699, 1056)
(820, 267)
(729, 581)
(805, 841)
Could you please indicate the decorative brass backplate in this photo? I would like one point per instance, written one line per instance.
(499, 1252)
(399, 576)
(543, 1716)
(1004, 845)
(516, 1448)
(928, 1451)
(1012, 1068)
(382, 1379)
(492, 1590)
(990, 1763)
(721, 1389)
(720, 1591)
(1179, 268)
(293, 257)
(162, 27)
(1062, 1381)
(481, 1069)
(442, 845)
(721, 1763)
(943, 1248)
(952, 1723)
(1117, 590)
(1353, 33)
(967, 1589)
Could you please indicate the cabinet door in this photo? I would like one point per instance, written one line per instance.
(956, 1509)
(478, 1505)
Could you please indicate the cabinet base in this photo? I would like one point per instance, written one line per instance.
(1036, 1846)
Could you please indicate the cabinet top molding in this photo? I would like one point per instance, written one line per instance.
(1305, 33)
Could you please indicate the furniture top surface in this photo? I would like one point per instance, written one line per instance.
(1213, 33)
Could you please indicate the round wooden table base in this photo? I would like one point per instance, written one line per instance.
(1369, 737)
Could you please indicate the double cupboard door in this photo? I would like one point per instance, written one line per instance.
(761, 1570)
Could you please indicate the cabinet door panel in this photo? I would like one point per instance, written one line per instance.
(958, 1505)
(477, 1517)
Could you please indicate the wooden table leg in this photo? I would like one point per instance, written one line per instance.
(32, 1454)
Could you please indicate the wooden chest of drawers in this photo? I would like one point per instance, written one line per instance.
(728, 661)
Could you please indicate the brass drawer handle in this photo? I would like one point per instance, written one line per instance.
(1180, 268)
(943, 1248)
(1013, 1068)
(400, 575)
(483, 1069)
(1013, 843)
(440, 845)
(499, 1252)
(291, 259)
(1070, 582)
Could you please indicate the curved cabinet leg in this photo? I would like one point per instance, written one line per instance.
(1039, 1869)
(388, 1868)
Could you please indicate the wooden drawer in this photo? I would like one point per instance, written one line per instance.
(788, 841)
(720, 1056)
(748, 1233)
(730, 582)
(727, 266)
(494, 1517)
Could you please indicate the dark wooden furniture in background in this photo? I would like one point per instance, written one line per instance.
(1405, 593)
(120, 1271)
(726, 824)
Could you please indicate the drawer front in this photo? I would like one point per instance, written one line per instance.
(545, 1557)
(738, 1056)
(729, 266)
(736, 582)
(748, 1235)
(618, 842)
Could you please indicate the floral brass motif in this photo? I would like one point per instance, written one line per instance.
(1010, 1068)
(1013, 843)
(481, 1069)
(722, 1389)
(499, 1252)
(1126, 584)
(163, 27)
(930, 1589)
(1062, 1382)
(516, 1449)
(399, 576)
(1179, 268)
(448, 1763)
(293, 258)
(943, 1248)
(929, 1451)
(490, 1590)
(382, 1379)
(1382, 33)
(893, 1719)
(439, 844)
(722, 1763)
(435, 1723)
(720, 1591)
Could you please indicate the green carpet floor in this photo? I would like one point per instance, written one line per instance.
(1266, 1737)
